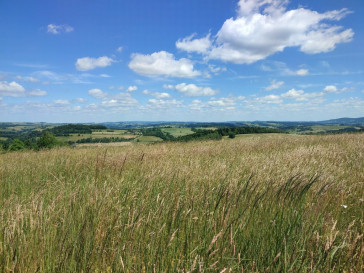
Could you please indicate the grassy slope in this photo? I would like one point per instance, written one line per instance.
(269, 203)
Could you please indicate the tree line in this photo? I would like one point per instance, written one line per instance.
(66, 130)
(46, 141)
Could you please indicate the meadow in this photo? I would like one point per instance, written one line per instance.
(258, 203)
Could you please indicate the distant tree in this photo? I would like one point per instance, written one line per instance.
(47, 140)
(17, 145)
(231, 135)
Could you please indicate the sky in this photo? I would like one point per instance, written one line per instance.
(191, 60)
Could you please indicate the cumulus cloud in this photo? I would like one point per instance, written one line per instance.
(164, 104)
(265, 27)
(331, 89)
(157, 95)
(87, 63)
(132, 88)
(274, 85)
(220, 104)
(300, 95)
(162, 64)
(270, 99)
(121, 101)
(194, 45)
(12, 89)
(302, 72)
(57, 29)
(192, 90)
(97, 93)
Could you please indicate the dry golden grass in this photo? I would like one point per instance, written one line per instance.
(263, 203)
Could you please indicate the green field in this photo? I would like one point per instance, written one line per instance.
(96, 135)
(148, 139)
(324, 128)
(110, 132)
(176, 132)
(263, 203)
(206, 128)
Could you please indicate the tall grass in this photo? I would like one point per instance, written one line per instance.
(272, 203)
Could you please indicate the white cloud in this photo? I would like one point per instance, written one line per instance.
(97, 93)
(302, 72)
(220, 104)
(37, 93)
(270, 99)
(80, 100)
(216, 69)
(49, 77)
(116, 87)
(119, 49)
(163, 104)
(27, 79)
(193, 90)
(162, 64)
(157, 95)
(120, 101)
(87, 63)
(265, 27)
(168, 86)
(300, 95)
(331, 89)
(325, 40)
(194, 45)
(61, 102)
(132, 88)
(105, 76)
(274, 85)
(56, 29)
(12, 89)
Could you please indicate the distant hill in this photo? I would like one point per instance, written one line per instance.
(344, 121)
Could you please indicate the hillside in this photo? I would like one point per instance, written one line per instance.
(258, 203)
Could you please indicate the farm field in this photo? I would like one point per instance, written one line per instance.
(260, 203)
(176, 132)
(96, 135)
(148, 139)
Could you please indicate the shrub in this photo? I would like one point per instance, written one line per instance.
(17, 145)
(47, 140)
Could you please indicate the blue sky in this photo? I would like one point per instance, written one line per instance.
(191, 60)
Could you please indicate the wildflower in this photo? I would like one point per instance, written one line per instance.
(344, 206)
